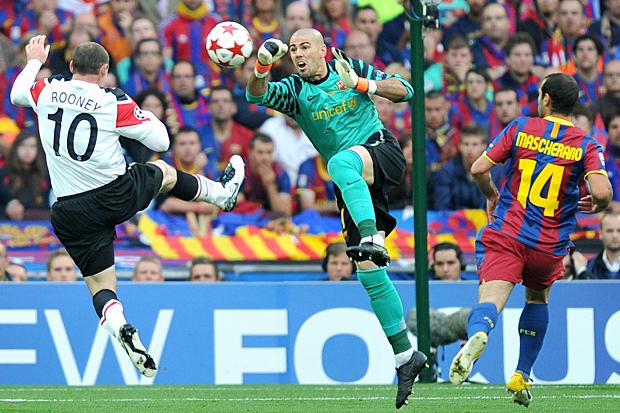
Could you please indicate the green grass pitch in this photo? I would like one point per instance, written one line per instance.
(428, 398)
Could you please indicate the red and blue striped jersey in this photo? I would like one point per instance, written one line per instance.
(545, 162)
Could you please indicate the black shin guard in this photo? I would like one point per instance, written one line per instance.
(186, 187)
(101, 298)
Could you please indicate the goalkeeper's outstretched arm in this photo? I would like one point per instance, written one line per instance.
(269, 52)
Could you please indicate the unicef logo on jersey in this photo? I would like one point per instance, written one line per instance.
(602, 158)
(137, 112)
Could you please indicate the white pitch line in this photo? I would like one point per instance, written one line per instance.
(283, 399)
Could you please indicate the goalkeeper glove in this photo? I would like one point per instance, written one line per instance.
(348, 75)
(269, 52)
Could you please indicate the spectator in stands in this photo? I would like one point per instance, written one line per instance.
(608, 102)
(87, 21)
(4, 262)
(336, 263)
(115, 24)
(187, 156)
(148, 269)
(248, 114)
(23, 117)
(454, 187)
(17, 271)
(183, 38)
(297, 15)
(441, 138)
(447, 262)
(458, 61)
(266, 182)
(333, 22)
(541, 23)
(60, 266)
(402, 195)
(155, 101)
(43, 17)
(59, 62)
(187, 106)
(475, 106)
(203, 269)
(24, 178)
(358, 46)
(469, 24)
(505, 109)
(141, 28)
(366, 19)
(265, 20)
(588, 50)
(607, 28)
(229, 137)
(315, 188)
(148, 71)
(557, 51)
(582, 118)
(606, 265)
(519, 75)
(488, 48)
(292, 146)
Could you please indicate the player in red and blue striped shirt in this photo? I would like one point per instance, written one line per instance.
(531, 221)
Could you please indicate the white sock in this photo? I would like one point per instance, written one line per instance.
(210, 191)
(112, 317)
(375, 239)
(402, 358)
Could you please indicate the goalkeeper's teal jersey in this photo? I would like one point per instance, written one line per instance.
(332, 116)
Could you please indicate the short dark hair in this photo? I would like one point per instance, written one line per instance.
(474, 129)
(161, 96)
(448, 246)
(520, 38)
(611, 116)
(187, 129)
(182, 61)
(434, 94)
(217, 88)
(600, 49)
(505, 89)
(581, 110)
(262, 137)
(89, 57)
(480, 72)
(563, 90)
(457, 41)
(204, 260)
(357, 10)
(136, 50)
(335, 248)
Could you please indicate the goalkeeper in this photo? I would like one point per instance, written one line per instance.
(332, 103)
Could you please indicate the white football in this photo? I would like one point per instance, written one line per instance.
(229, 44)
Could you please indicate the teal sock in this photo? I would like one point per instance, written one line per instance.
(386, 305)
(346, 168)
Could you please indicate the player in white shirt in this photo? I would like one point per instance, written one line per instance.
(80, 125)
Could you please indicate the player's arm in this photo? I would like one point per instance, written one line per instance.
(597, 179)
(143, 126)
(269, 52)
(25, 91)
(481, 171)
(600, 191)
(359, 75)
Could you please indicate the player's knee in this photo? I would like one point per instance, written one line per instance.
(536, 296)
(169, 174)
(341, 162)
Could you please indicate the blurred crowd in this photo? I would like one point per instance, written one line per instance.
(482, 68)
